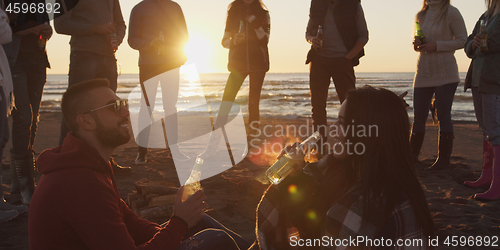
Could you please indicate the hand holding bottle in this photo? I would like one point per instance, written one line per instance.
(238, 38)
(191, 210)
(298, 165)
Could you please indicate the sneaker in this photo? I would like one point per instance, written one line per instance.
(141, 158)
(8, 215)
(117, 169)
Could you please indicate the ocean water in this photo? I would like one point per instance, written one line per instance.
(284, 95)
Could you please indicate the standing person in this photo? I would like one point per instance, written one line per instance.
(7, 211)
(246, 36)
(28, 59)
(437, 74)
(158, 30)
(97, 29)
(334, 53)
(483, 77)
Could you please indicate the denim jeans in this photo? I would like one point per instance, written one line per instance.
(422, 98)
(4, 129)
(491, 117)
(150, 76)
(233, 85)
(321, 70)
(210, 234)
(29, 77)
(86, 66)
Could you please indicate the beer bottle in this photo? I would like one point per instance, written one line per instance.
(419, 33)
(42, 43)
(193, 183)
(484, 36)
(284, 165)
(319, 35)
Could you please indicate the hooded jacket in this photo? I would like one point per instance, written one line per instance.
(76, 206)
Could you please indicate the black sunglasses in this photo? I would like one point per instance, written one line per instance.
(118, 105)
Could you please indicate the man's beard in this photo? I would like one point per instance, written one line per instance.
(111, 137)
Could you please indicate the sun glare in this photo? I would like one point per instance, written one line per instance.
(198, 52)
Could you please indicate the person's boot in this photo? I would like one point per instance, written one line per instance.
(416, 141)
(444, 153)
(485, 180)
(4, 206)
(7, 215)
(494, 192)
(25, 170)
(141, 156)
(117, 169)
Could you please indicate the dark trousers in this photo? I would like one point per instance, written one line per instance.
(233, 85)
(29, 77)
(150, 76)
(341, 71)
(4, 130)
(422, 98)
(86, 66)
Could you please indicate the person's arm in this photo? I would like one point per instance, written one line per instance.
(262, 29)
(469, 47)
(5, 31)
(182, 27)
(65, 25)
(135, 40)
(227, 39)
(362, 34)
(94, 214)
(118, 20)
(493, 41)
(459, 30)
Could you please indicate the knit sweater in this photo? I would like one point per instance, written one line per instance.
(440, 67)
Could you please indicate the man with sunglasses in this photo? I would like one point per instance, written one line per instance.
(76, 204)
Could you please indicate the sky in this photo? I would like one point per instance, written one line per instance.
(390, 24)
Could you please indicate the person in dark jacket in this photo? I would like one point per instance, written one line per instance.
(484, 78)
(246, 36)
(77, 204)
(157, 29)
(333, 53)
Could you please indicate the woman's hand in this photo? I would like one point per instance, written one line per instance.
(416, 43)
(238, 38)
(428, 47)
(477, 42)
(191, 210)
(297, 165)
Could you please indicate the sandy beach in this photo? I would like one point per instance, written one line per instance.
(232, 196)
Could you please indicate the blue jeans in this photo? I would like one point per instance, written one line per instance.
(422, 98)
(4, 129)
(86, 66)
(29, 77)
(210, 234)
(491, 117)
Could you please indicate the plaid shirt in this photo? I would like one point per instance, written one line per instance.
(343, 221)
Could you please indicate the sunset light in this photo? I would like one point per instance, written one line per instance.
(198, 52)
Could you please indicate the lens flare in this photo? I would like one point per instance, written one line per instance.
(292, 189)
(311, 214)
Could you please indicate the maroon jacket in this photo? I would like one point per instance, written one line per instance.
(76, 206)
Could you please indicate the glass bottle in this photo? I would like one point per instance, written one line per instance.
(193, 183)
(42, 43)
(484, 36)
(319, 35)
(284, 165)
(419, 33)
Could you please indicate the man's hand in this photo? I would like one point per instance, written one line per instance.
(157, 42)
(104, 29)
(191, 210)
(317, 43)
(239, 38)
(46, 31)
